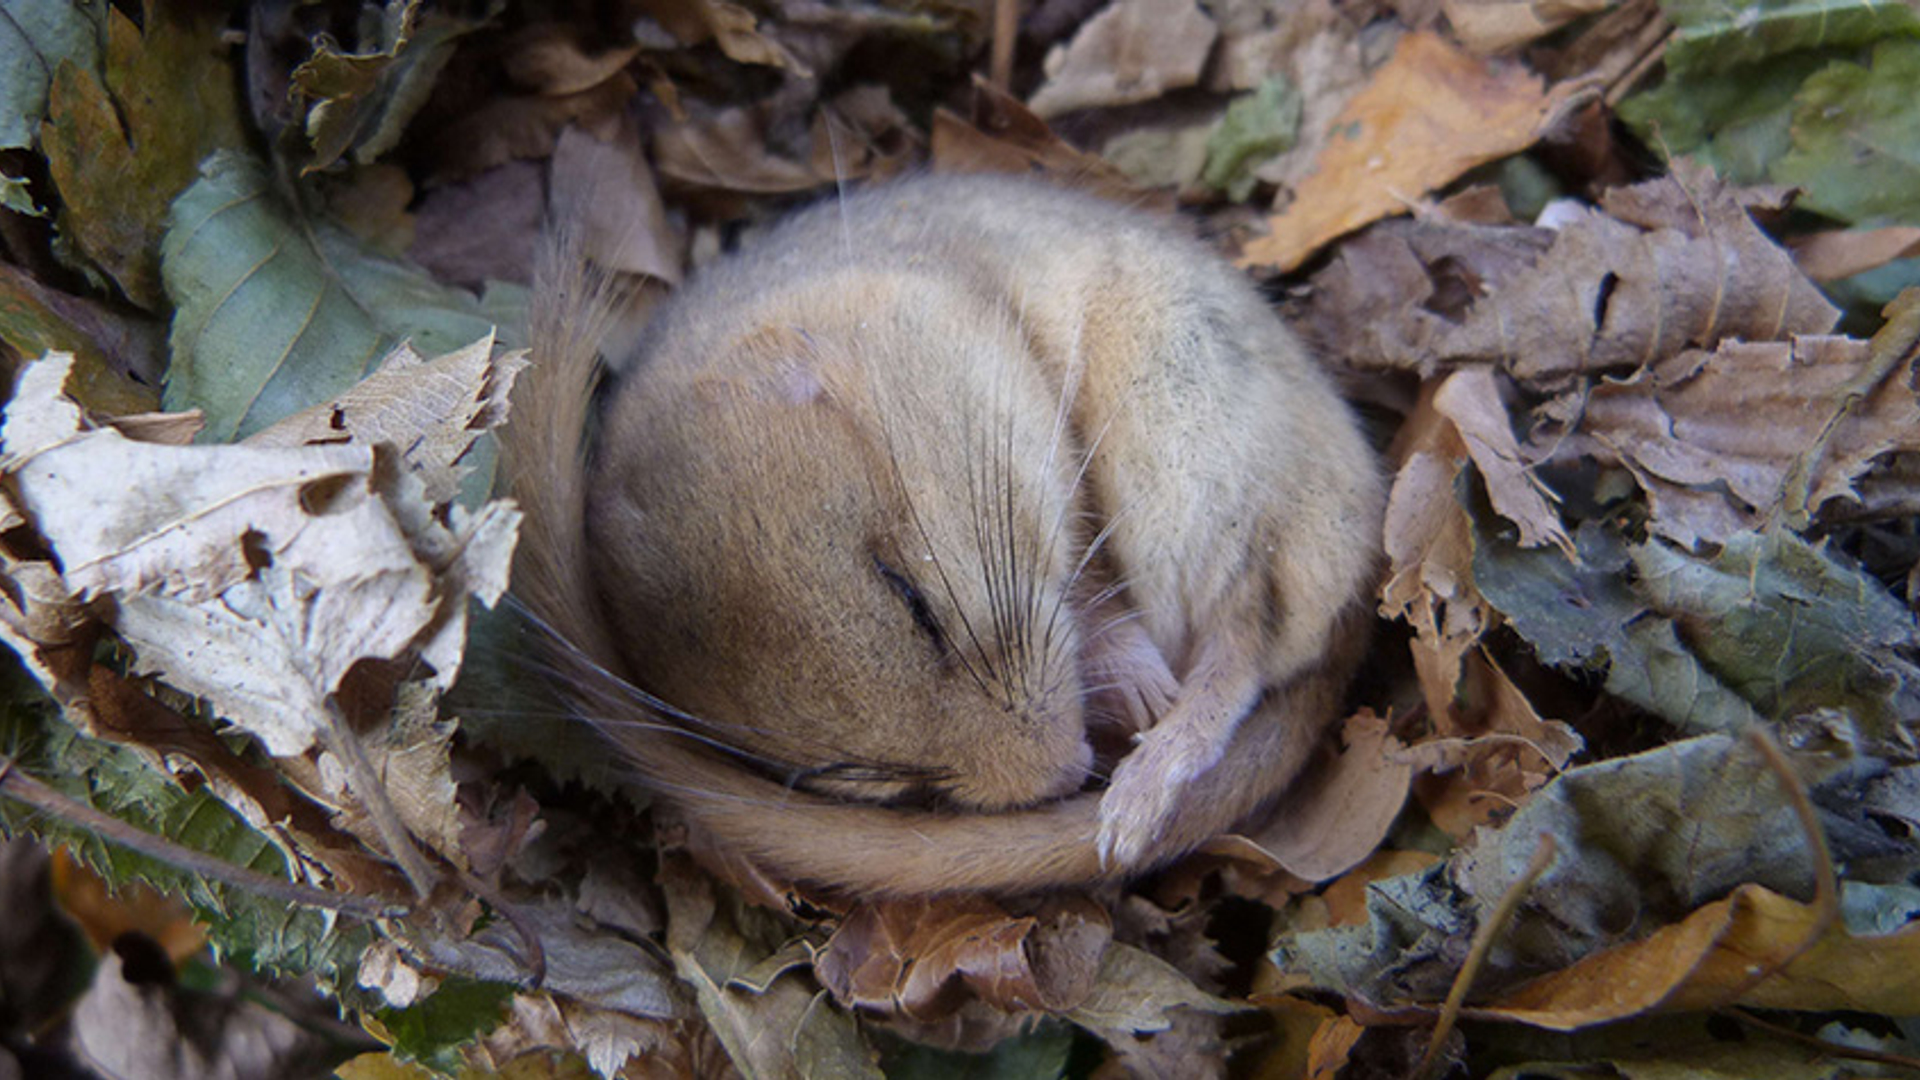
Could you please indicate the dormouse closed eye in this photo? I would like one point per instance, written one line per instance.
(910, 594)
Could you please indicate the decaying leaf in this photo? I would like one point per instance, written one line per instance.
(252, 577)
(1134, 50)
(1340, 812)
(1429, 114)
(361, 101)
(915, 956)
(1758, 432)
(1656, 268)
(123, 143)
(36, 38)
(1491, 27)
(1003, 135)
(1642, 841)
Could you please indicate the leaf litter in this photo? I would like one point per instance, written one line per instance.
(1648, 486)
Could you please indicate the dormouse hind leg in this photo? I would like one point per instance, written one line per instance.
(1147, 789)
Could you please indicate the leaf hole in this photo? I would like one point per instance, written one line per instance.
(1603, 299)
(253, 548)
(328, 495)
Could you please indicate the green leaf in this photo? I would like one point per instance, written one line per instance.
(36, 37)
(1791, 629)
(276, 312)
(1256, 127)
(1587, 615)
(1737, 122)
(266, 935)
(432, 1030)
(1715, 36)
(121, 144)
(1856, 136)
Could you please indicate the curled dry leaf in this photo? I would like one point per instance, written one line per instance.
(1430, 114)
(1134, 50)
(253, 577)
(1658, 267)
(923, 957)
(1710, 959)
(1002, 135)
(1490, 27)
(1753, 432)
(605, 189)
(1340, 811)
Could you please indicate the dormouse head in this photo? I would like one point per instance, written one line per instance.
(845, 540)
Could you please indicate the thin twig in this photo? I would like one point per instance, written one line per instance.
(366, 785)
(19, 786)
(1006, 28)
(1483, 939)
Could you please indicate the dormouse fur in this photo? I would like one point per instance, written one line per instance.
(921, 496)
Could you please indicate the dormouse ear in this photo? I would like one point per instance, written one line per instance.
(774, 365)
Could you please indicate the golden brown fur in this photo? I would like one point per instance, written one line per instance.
(888, 500)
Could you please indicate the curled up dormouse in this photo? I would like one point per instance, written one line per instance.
(961, 533)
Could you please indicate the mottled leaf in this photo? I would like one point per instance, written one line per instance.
(277, 312)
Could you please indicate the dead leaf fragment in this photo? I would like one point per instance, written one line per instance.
(1842, 253)
(1135, 50)
(923, 957)
(1431, 113)
(1003, 136)
(1492, 27)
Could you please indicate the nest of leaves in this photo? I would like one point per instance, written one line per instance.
(1631, 777)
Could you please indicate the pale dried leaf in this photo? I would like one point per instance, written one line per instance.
(1133, 51)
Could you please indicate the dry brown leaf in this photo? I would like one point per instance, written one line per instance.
(1430, 113)
(1490, 751)
(1004, 136)
(550, 58)
(1712, 958)
(1429, 546)
(432, 411)
(1337, 814)
(1491, 27)
(1470, 398)
(1661, 266)
(1842, 253)
(1332, 1043)
(484, 228)
(253, 577)
(924, 957)
(1729, 440)
(605, 189)
(726, 149)
(523, 126)
(1134, 50)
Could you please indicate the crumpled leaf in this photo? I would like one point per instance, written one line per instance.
(1585, 614)
(772, 1024)
(1470, 397)
(432, 410)
(116, 358)
(605, 189)
(1658, 267)
(1793, 630)
(159, 1030)
(275, 313)
(36, 37)
(922, 957)
(1754, 432)
(1667, 1046)
(1842, 253)
(120, 146)
(1133, 50)
(735, 148)
(252, 577)
(1430, 113)
(362, 101)
(1136, 993)
(1641, 840)
(1711, 958)
(1002, 135)
(1489, 751)
(1339, 811)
